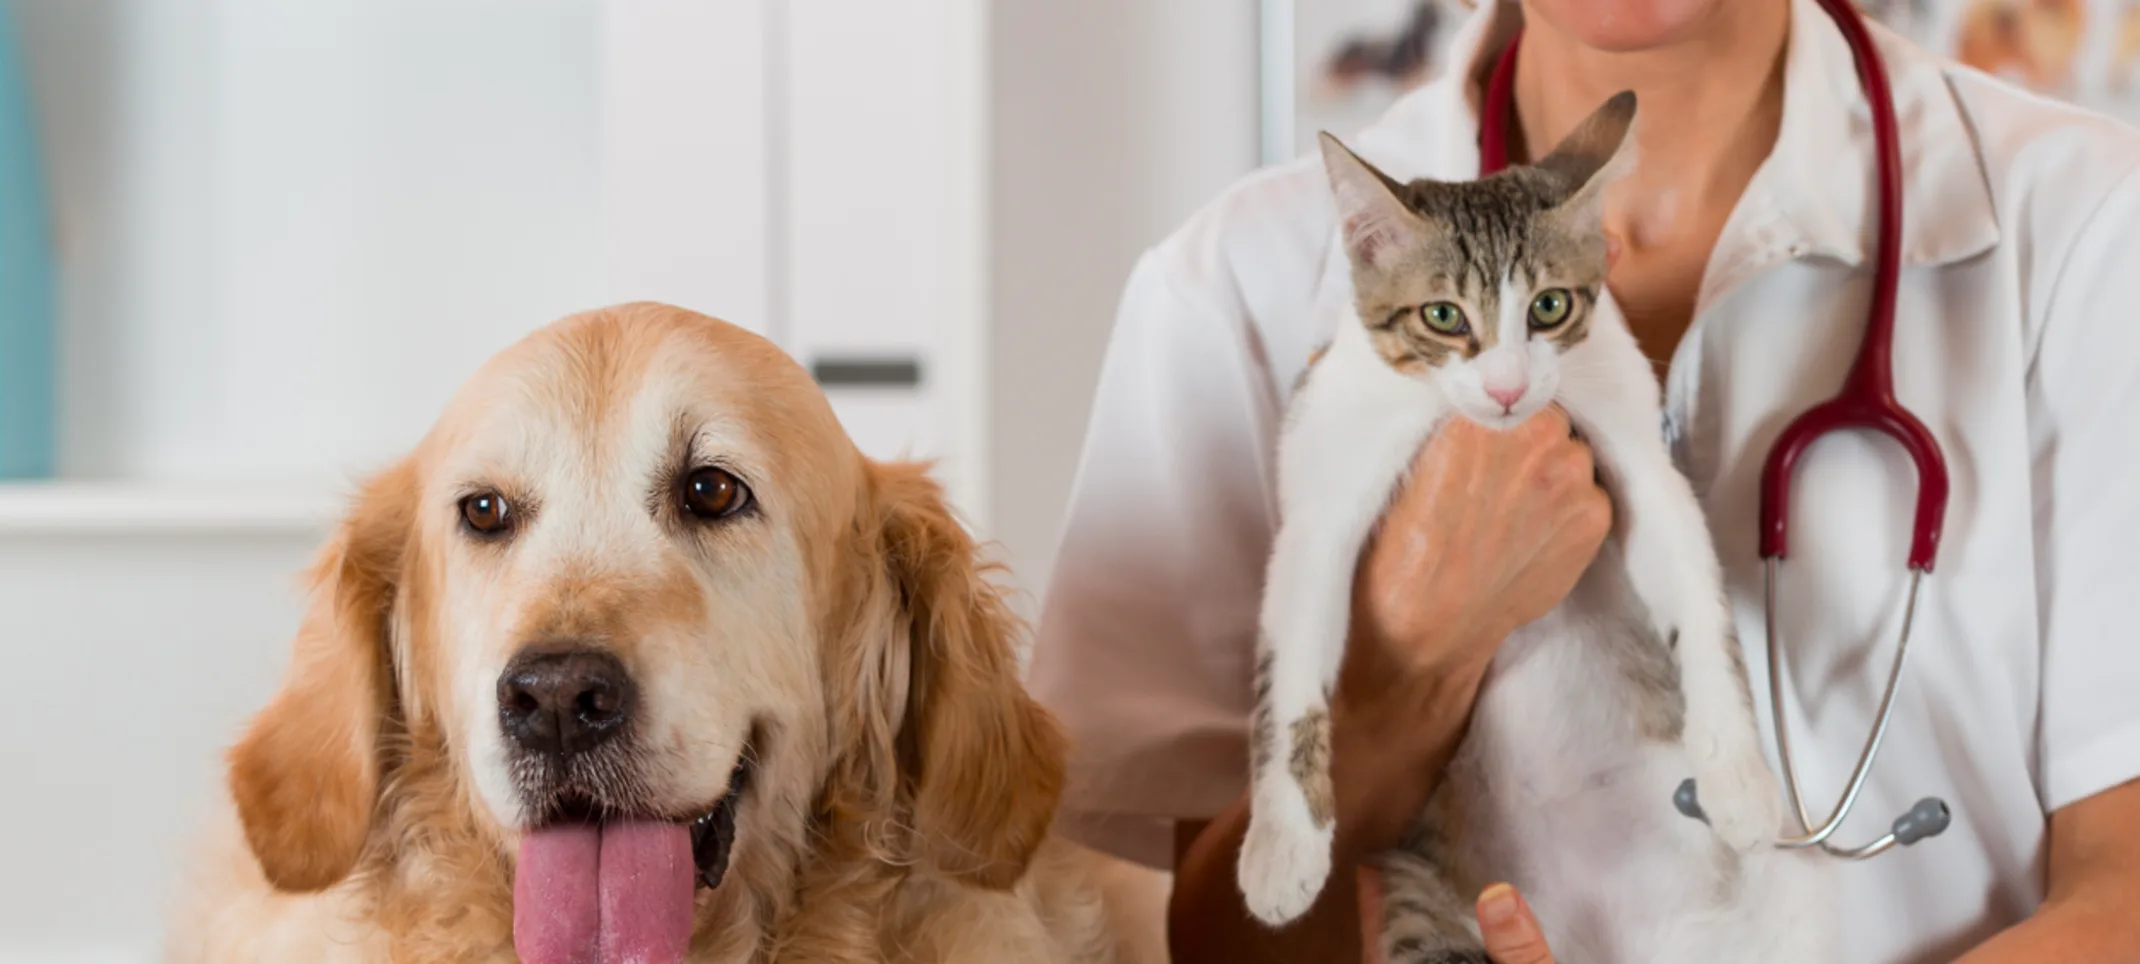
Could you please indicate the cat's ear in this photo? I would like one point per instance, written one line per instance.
(1599, 151)
(1375, 220)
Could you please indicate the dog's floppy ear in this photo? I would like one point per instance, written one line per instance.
(982, 761)
(305, 777)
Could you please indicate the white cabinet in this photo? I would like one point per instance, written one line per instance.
(688, 166)
(885, 186)
(816, 171)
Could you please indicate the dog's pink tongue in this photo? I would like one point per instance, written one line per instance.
(647, 886)
(556, 919)
(620, 894)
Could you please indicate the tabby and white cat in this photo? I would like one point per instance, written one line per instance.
(1485, 300)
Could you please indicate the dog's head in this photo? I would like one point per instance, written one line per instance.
(641, 599)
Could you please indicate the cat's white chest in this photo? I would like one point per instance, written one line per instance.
(1567, 797)
(1554, 717)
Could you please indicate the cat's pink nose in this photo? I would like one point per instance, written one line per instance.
(1508, 397)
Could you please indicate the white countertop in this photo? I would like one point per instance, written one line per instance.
(153, 507)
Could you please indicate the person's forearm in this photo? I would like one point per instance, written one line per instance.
(2093, 879)
(1207, 919)
(2074, 930)
(1383, 773)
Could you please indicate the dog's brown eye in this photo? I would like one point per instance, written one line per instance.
(486, 513)
(713, 494)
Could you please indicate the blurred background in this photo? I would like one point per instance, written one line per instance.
(249, 247)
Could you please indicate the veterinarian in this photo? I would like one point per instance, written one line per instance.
(1745, 240)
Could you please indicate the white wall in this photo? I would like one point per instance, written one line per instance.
(1112, 120)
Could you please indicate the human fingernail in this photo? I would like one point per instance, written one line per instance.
(1498, 905)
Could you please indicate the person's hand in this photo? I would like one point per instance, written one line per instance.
(1491, 532)
(1506, 925)
(1509, 929)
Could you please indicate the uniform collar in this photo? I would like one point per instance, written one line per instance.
(1821, 175)
(1817, 185)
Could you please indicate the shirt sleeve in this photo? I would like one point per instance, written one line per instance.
(1145, 642)
(2084, 389)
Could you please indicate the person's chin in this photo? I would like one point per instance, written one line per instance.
(1626, 26)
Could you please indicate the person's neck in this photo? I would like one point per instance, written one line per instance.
(1708, 108)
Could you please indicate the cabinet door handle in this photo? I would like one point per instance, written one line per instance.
(866, 372)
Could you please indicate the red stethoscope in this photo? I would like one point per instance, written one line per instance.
(1866, 401)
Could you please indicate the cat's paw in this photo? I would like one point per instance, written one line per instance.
(1284, 863)
(1739, 799)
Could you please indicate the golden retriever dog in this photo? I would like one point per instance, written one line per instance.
(635, 658)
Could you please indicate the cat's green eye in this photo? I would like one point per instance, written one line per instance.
(1550, 308)
(1444, 317)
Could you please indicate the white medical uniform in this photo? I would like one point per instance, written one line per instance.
(2017, 342)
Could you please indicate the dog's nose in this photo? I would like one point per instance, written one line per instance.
(564, 703)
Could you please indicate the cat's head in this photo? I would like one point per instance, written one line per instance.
(1481, 285)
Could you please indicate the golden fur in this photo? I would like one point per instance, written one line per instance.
(849, 639)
